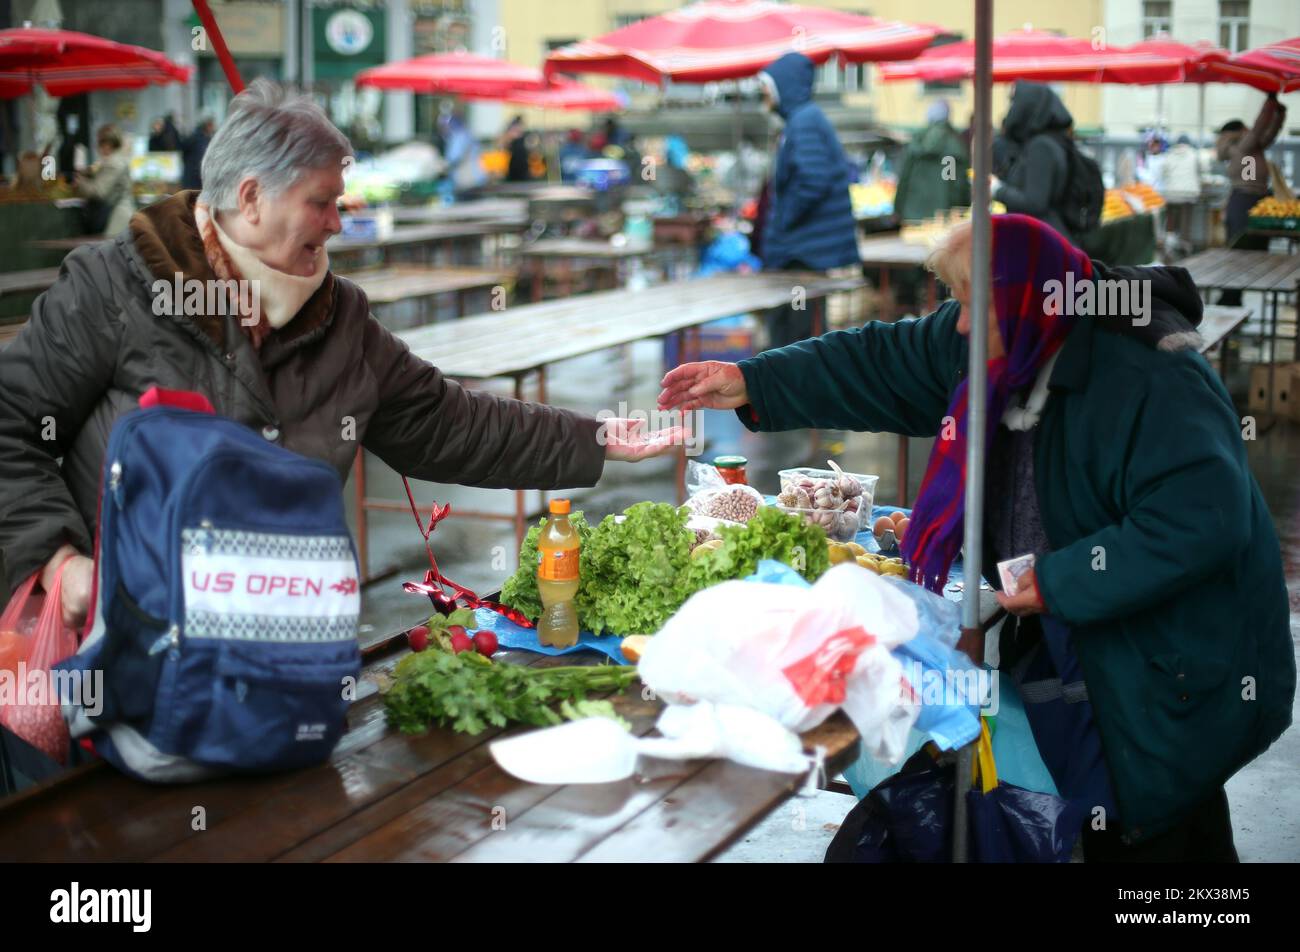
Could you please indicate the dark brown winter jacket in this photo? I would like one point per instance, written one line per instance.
(329, 378)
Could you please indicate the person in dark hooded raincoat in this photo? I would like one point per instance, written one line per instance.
(1038, 129)
(809, 225)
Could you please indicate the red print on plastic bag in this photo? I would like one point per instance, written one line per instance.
(819, 678)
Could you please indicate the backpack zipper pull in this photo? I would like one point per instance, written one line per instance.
(115, 482)
(170, 639)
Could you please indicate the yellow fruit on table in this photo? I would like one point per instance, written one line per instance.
(857, 549)
(840, 553)
(704, 548)
(868, 563)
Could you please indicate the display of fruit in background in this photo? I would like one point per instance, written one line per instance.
(1149, 196)
(1272, 207)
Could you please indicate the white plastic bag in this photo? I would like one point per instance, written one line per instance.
(794, 654)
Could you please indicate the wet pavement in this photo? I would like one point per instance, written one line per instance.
(1265, 796)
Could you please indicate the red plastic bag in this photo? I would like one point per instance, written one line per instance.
(30, 708)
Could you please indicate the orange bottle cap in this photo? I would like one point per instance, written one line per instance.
(559, 507)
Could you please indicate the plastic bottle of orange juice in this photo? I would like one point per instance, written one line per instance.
(557, 578)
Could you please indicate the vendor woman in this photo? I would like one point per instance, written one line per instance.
(307, 366)
(1155, 620)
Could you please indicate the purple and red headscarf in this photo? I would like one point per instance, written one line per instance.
(1027, 254)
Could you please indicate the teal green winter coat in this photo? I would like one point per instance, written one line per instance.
(1164, 560)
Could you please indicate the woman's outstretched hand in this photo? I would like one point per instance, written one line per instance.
(628, 441)
(703, 385)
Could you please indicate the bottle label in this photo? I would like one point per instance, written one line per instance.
(558, 565)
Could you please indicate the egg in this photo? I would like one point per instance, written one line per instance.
(882, 525)
(901, 529)
(897, 517)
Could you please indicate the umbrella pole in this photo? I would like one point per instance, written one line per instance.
(219, 46)
(1200, 123)
(738, 131)
(981, 235)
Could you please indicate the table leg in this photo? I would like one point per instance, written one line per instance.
(931, 293)
(536, 272)
(1270, 321)
(903, 447)
(460, 302)
(359, 491)
(521, 529)
(886, 296)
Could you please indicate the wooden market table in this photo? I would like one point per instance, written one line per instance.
(21, 282)
(510, 210)
(1230, 269)
(455, 242)
(568, 258)
(522, 342)
(891, 253)
(432, 797)
(414, 283)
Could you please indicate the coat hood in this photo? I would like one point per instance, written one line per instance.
(1035, 108)
(793, 76)
(1172, 305)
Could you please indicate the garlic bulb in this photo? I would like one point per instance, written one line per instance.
(847, 485)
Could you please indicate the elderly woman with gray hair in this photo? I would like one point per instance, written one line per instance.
(303, 361)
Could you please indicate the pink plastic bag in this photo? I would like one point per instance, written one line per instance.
(29, 707)
(18, 624)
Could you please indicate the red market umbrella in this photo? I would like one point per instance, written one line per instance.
(1044, 57)
(1272, 68)
(1198, 58)
(564, 94)
(454, 74)
(732, 39)
(65, 63)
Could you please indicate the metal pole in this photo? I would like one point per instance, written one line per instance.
(977, 374)
(1200, 127)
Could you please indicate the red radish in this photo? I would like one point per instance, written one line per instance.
(455, 630)
(485, 642)
(418, 637)
(461, 643)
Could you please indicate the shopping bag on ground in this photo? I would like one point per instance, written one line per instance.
(908, 818)
(32, 711)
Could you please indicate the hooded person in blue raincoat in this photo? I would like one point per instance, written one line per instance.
(810, 223)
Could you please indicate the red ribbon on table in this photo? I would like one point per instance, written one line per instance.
(434, 580)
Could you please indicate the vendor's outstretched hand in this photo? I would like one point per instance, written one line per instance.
(705, 384)
(628, 441)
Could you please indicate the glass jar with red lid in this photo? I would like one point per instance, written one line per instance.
(732, 469)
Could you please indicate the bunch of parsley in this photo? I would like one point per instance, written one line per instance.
(469, 693)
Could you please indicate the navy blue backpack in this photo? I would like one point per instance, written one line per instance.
(224, 623)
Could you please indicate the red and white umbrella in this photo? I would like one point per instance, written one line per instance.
(454, 74)
(64, 63)
(731, 39)
(1042, 57)
(1272, 68)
